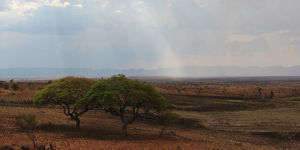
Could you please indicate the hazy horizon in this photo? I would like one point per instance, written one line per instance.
(188, 71)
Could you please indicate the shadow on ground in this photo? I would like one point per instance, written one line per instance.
(278, 135)
(98, 133)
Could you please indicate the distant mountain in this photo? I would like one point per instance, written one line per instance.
(189, 71)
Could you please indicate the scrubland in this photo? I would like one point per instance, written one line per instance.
(212, 116)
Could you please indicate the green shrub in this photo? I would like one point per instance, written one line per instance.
(167, 118)
(27, 121)
(15, 86)
(5, 86)
(50, 81)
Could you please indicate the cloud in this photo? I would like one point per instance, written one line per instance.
(102, 3)
(202, 3)
(57, 3)
(28, 7)
(25, 8)
(117, 12)
(240, 38)
(3, 5)
(58, 22)
(14, 11)
(78, 5)
(151, 34)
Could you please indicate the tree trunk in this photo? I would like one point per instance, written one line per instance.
(78, 124)
(77, 121)
(124, 129)
(162, 132)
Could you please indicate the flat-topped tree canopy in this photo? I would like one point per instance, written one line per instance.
(128, 99)
(66, 92)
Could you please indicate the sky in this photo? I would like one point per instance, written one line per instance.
(149, 34)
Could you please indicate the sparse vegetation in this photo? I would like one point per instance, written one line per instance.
(1, 83)
(271, 94)
(50, 81)
(167, 118)
(15, 86)
(207, 116)
(11, 81)
(5, 86)
(27, 121)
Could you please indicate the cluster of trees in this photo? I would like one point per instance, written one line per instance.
(128, 99)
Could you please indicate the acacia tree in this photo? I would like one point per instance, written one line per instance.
(128, 99)
(65, 93)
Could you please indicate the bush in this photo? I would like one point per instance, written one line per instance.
(167, 118)
(50, 81)
(27, 121)
(15, 86)
(5, 86)
(6, 147)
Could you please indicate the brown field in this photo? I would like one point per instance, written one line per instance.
(225, 90)
(239, 118)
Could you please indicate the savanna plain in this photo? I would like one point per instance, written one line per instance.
(213, 115)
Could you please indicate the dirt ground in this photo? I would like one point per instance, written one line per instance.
(101, 131)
